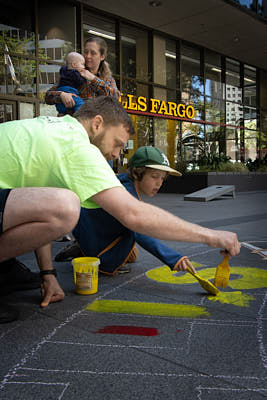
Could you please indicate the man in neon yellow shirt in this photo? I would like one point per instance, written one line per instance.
(55, 165)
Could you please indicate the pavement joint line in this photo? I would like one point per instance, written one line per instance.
(76, 314)
(260, 334)
(114, 345)
(231, 377)
(11, 373)
(66, 385)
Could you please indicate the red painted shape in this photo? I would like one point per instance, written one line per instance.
(129, 330)
(179, 330)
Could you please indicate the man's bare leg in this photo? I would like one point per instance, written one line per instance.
(33, 217)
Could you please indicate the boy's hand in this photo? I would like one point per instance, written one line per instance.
(182, 265)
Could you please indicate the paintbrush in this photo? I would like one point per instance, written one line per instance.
(222, 274)
(207, 285)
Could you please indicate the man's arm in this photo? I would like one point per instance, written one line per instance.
(51, 291)
(153, 221)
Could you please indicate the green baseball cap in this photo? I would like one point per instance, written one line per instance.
(151, 157)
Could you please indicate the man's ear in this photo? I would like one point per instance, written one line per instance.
(97, 123)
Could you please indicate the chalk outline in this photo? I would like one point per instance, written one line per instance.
(27, 356)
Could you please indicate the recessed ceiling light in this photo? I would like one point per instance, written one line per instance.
(155, 3)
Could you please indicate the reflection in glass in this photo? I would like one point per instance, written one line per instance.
(134, 48)
(250, 80)
(234, 113)
(105, 28)
(16, 36)
(7, 112)
(191, 80)
(215, 111)
(213, 85)
(26, 110)
(193, 141)
(57, 37)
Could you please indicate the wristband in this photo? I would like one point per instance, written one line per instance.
(48, 272)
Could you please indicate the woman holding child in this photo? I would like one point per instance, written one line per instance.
(99, 80)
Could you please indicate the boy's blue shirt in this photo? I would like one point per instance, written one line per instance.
(96, 230)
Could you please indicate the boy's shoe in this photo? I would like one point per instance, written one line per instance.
(14, 275)
(8, 313)
(132, 258)
(69, 252)
(125, 269)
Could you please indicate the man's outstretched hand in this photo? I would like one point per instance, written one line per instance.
(51, 291)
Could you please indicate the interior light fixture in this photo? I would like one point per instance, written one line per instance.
(216, 69)
(170, 55)
(105, 35)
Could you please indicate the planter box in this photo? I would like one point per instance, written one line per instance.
(191, 182)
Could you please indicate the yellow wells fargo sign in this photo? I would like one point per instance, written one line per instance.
(155, 106)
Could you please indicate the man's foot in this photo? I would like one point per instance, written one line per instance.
(125, 269)
(69, 252)
(14, 275)
(8, 313)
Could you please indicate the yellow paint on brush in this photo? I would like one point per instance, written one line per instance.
(236, 298)
(159, 309)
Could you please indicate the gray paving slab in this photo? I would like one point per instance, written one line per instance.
(70, 351)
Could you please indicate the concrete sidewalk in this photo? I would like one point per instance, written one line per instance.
(151, 334)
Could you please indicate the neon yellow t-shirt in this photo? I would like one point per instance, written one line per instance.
(53, 152)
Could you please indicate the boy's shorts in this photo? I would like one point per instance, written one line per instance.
(3, 198)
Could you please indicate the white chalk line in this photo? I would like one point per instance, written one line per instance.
(260, 334)
(60, 397)
(113, 345)
(12, 372)
(145, 373)
(236, 390)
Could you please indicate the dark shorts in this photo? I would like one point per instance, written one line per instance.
(3, 198)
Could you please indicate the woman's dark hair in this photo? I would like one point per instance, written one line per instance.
(104, 68)
(110, 109)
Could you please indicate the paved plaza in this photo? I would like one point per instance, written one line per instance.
(150, 334)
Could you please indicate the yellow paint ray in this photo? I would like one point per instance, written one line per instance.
(250, 278)
(159, 309)
(235, 298)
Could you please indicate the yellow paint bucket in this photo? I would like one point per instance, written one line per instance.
(85, 271)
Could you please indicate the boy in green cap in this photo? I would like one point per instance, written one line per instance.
(99, 234)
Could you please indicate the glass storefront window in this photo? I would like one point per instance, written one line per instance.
(134, 48)
(250, 98)
(17, 48)
(215, 110)
(193, 141)
(191, 80)
(213, 85)
(57, 37)
(234, 113)
(103, 27)
(232, 77)
(250, 150)
(26, 110)
(233, 143)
